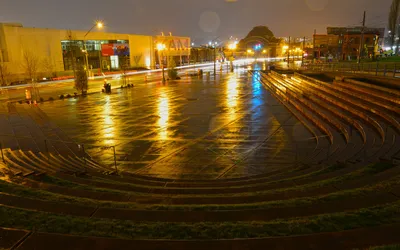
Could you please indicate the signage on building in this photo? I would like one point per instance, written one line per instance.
(115, 49)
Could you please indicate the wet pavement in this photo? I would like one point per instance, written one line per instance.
(190, 128)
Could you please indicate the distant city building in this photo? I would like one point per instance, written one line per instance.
(344, 43)
(56, 50)
(326, 45)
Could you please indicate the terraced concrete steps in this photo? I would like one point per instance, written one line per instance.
(350, 239)
(351, 203)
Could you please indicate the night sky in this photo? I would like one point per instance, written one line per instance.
(201, 20)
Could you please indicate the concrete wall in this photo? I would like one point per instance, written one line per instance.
(142, 51)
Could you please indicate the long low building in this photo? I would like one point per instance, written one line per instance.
(53, 52)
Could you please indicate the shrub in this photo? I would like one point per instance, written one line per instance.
(68, 96)
(62, 96)
(41, 99)
(51, 99)
(172, 72)
(81, 80)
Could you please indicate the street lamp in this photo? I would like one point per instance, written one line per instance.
(161, 48)
(232, 47)
(99, 25)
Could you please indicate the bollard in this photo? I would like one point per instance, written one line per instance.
(145, 78)
(84, 156)
(115, 161)
(385, 69)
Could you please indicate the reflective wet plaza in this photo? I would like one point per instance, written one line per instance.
(192, 128)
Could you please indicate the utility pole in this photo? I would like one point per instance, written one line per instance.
(289, 53)
(315, 33)
(302, 52)
(215, 62)
(360, 51)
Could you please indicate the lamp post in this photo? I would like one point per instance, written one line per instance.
(99, 25)
(232, 47)
(161, 48)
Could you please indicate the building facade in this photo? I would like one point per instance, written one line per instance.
(56, 51)
(326, 45)
(350, 41)
(344, 43)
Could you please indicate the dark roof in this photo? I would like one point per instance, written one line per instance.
(355, 30)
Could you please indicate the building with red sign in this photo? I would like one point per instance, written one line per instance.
(58, 50)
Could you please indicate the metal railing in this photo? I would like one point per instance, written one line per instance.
(371, 68)
(79, 152)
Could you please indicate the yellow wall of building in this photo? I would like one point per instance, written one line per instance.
(45, 44)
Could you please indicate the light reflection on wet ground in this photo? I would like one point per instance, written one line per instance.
(192, 128)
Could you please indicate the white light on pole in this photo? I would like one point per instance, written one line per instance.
(99, 25)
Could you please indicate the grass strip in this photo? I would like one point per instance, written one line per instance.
(73, 185)
(368, 170)
(51, 223)
(22, 191)
(391, 247)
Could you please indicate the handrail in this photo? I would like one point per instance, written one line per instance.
(293, 113)
(328, 88)
(359, 114)
(312, 119)
(330, 108)
(381, 96)
(372, 86)
(307, 103)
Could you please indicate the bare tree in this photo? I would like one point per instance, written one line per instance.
(48, 67)
(31, 64)
(124, 66)
(5, 74)
(73, 50)
(81, 79)
(393, 16)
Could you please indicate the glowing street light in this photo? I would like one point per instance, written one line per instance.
(161, 47)
(232, 46)
(99, 25)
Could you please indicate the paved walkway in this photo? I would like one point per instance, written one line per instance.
(192, 128)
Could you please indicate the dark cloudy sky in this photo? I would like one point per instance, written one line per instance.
(199, 19)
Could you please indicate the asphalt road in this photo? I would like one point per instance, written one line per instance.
(54, 90)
